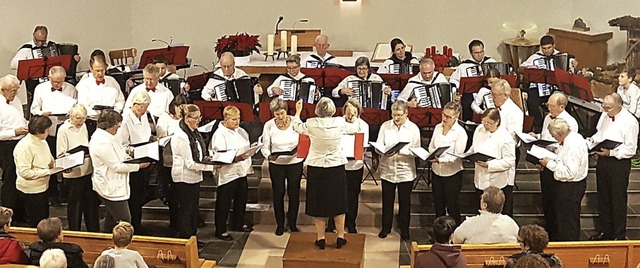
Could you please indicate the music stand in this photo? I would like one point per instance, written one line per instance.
(315, 73)
(425, 118)
(215, 110)
(470, 85)
(198, 81)
(374, 116)
(511, 78)
(37, 68)
(308, 110)
(175, 55)
(532, 75)
(396, 81)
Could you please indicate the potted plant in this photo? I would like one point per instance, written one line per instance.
(240, 44)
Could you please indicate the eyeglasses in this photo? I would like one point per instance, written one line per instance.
(195, 118)
(398, 115)
(448, 116)
(486, 123)
(362, 69)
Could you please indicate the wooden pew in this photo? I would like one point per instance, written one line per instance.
(149, 247)
(619, 254)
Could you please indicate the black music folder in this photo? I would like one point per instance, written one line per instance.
(425, 155)
(102, 107)
(286, 153)
(145, 152)
(528, 139)
(536, 153)
(606, 144)
(79, 148)
(473, 157)
(393, 148)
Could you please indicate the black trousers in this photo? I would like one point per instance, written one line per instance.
(53, 192)
(117, 211)
(138, 182)
(82, 201)
(549, 190)
(9, 195)
(612, 180)
(235, 191)
(507, 208)
(187, 208)
(36, 207)
(404, 202)
(291, 174)
(354, 187)
(467, 111)
(446, 195)
(536, 109)
(567, 208)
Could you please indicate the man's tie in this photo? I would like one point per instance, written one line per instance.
(8, 101)
(613, 118)
(99, 82)
(53, 89)
(151, 89)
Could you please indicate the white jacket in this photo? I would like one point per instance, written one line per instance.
(110, 175)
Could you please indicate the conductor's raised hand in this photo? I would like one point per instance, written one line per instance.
(298, 108)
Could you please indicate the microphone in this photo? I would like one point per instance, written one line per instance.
(200, 66)
(278, 23)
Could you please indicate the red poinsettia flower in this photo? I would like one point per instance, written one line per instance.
(240, 44)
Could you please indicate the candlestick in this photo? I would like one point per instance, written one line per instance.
(270, 43)
(294, 44)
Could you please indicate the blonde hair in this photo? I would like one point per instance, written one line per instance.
(400, 106)
(325, 107)
(503, 87)
(122, 234)
(558, 126)
(230, 111)
(184, 110)
(77, 109)
(151, 69)
(277, 104)
(8, 81)
(353, 102)
(141, 97)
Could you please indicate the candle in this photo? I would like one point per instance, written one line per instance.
(294, 44)
(427, 54)
(450, 52)
(283, 41)
(433, 50)
(445, 50)
(270, 42)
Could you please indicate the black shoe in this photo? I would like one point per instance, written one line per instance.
(340, 242)
(279, 231)
(244, 228)
(321, 244)
(598, 237)
(383, 234)
(224, 237)
(293, 229)
(405, 236)
(353, 230)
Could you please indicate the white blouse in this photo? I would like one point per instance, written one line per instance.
(278, 140)
(185, 168)
(325, 134)
(400, 167)
(624, 128)
(133, 130)
(456, 138)
(224, 139)
(11, 118)
(501, 171)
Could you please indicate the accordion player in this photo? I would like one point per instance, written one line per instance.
(367, 87)
(432, 95)
(294, 85)
(229, 83)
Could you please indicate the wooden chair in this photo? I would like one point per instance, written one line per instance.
(125, 56)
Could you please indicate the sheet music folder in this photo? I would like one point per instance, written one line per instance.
(175, 55)
(393, 148)
(228, 156)
(79, 148)
(37, 68)
(528, 139)
(70, 161)
(145, 152)
(425, 155)
(606, 144)
(286, 153)
(473, 157)
(536, 153)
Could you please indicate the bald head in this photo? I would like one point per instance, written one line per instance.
(557, 103)
(612, 104)
(427, 67)
(322, 44)
(227, 63)
(40, 34)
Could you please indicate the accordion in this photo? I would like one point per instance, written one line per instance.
(433, 95)
(50, 50)
(502, 67)
(557, 61)
(369, 93)
(236, 90)
(403, 68)
(298, 90)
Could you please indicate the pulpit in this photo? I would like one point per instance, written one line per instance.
(306, 38)
(589, 48)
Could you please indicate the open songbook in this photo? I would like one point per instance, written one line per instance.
(145, 153)
(353, 146)
(70, 161)
(207, 128)
(227, 157)
(163, 142)
(392, 148)
(235, 90)
(432, 95)
(536, 153)
(528, 139)
(369, 93)
(295, 90)
(606, 144)
(473, 157)
(425, 155)
(291, 152)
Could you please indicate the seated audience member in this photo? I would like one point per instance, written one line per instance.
(50, 233)
(122, 236)
(53, 258)
(442, 253)
(533, 240)
(532, 261)
(104, 261)
(11, 251)
(490, 227)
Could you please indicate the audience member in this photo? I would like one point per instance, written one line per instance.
(532, 261)
(442, 253)
(105, 261)
(533, 240)
(122, 236)
(11, 250)
(53, 258)
(50, 233)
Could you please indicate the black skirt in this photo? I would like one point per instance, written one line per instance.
(326, 191)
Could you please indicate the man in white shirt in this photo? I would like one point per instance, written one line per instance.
(470, 68)
(159, 94)
(321, 58)
(614, 166)
(295, 76)
(54, 99)
(427, 76)
(13, 127)
(556, 104)
(569, 169)
(490, 227)
(226, 72)
(511, 116)
(168, 78)
(99, 90)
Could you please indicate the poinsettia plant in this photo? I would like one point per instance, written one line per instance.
(240, 44)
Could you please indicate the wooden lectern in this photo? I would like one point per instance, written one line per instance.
(590, 49)
(306, 38)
